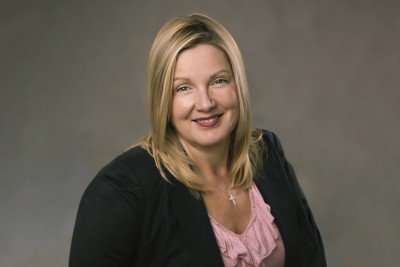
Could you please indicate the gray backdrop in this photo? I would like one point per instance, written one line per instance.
(324, 77)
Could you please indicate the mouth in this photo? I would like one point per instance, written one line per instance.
(208, 122)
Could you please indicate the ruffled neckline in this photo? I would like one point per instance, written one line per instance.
(257, 241)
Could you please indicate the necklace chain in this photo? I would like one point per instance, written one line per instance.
(231, 197)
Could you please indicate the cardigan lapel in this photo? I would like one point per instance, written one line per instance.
(275, 190)
(193, 219)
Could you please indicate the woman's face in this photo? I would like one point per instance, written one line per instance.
(205, 100)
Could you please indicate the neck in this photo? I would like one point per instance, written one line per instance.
(211, 162)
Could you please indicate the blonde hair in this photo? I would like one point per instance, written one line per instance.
(246, 143)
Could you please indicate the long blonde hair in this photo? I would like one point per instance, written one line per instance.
(246, 143)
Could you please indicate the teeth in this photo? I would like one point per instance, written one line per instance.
(208, 121)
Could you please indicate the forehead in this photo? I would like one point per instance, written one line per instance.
(201, 59)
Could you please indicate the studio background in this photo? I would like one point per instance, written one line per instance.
(324, 76)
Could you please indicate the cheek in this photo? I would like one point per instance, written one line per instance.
(181, 108)
(233, 100)
(231, 103)
(229, 99)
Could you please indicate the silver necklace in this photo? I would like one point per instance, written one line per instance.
(231, 197)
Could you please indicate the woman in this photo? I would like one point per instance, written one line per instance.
(203, 188)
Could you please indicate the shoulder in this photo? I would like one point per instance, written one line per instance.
(271, 141)
(127, 172)
(268, 136)
(272, 149)
(129, 161)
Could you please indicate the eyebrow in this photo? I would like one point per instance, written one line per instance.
(212, 76)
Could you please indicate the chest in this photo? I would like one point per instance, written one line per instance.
(221, 207)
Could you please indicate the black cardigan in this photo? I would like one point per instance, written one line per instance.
(130, 216)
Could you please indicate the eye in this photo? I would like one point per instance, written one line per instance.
(182, 89)
(220, 80)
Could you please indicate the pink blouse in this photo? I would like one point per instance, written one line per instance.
(259, 245)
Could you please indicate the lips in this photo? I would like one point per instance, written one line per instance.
(208, 122)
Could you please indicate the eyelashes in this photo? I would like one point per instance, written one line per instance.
(181, 89)
(222, 80)
(186, 88)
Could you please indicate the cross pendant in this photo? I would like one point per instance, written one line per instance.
(232, 198)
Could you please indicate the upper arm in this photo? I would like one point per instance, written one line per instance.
(296, 189)
(108, 222)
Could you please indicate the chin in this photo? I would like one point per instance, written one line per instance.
(205, 138)
(210, 141)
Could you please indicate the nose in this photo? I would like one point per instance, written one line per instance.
(204, 101)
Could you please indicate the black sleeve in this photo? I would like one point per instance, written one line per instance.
(108, 223)
(298, 193)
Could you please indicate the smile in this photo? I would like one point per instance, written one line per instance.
(208, 123)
